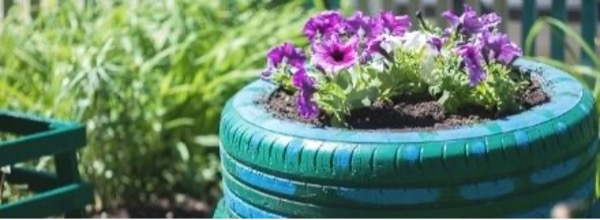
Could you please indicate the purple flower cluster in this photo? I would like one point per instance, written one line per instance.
(484, 43)
(325, 24)
(498, 46)
(286, 57)
(470, 23)
(337, 43)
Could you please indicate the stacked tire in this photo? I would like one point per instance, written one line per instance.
(520, 166)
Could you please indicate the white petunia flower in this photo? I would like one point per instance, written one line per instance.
(5, 169)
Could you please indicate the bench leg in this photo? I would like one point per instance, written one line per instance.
(67, 172)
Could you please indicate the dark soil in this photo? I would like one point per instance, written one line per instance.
(402, 113)
(164, 205)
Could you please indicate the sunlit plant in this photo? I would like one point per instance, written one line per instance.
(353, 61)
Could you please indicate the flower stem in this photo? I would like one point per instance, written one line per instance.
(320, 69)
(2, 177)
(385, 54)
(424, 25)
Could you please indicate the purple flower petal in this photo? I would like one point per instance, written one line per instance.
(396, 25)
(301, 80)
(509, 52)
(279, 55)
(374, 44)
(471, 55)
(323, 24)
(333, 55)
(436, 42)
(364, 26)
(368, 30)
(286, 53)
(470, 22)
(267, 72)
(307, 108)
(498, 46)
(490, 20)
(305, 85)
(451, 17)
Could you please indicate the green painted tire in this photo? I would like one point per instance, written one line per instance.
(222, 211)
(515, 166)
(402, 196)
(261, 205)
(545, 135)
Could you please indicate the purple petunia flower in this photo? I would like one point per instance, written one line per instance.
(332, 55)
(285, 53)
(363, 26)
(323, 24)
(396, 25)
(306, 87)
(498, 46)
(490, 20)
(368, 30)
(452, 18)
(470, 22)
(436, 42)
(471, 55)
(373, 45)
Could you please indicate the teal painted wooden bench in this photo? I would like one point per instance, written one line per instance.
(59, 193)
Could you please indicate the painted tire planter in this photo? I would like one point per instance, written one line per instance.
(514, 167)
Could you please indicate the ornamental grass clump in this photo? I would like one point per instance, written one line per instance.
(354, 61)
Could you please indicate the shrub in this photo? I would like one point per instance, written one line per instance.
(148, 78)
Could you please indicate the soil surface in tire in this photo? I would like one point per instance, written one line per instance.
(403, 113)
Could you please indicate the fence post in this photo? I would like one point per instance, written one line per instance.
(475, 4)
(458, 6)
(413, 7)
(528, 16)
(442, 5)
(589, 17)
(363, 5)
(6, 4)
(557, 37)
(389, 5)
(501, 7)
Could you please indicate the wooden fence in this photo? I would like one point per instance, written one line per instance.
(527, 11)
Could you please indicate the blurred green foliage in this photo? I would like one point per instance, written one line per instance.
(587, 74)
(148, 78)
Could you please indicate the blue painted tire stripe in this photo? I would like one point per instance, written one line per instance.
(405, 196)
(243, 209)
(296, 208)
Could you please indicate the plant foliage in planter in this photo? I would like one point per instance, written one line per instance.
(360, 60)
(518, 165)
